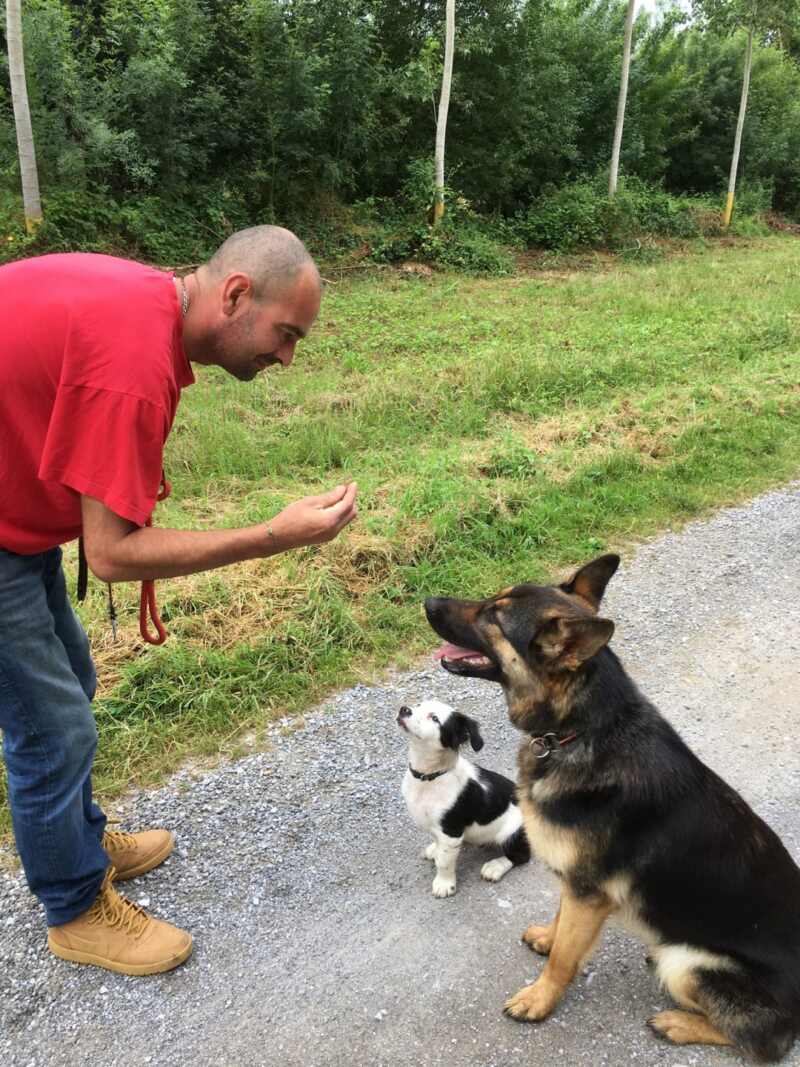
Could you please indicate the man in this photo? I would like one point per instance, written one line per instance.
(93, 357)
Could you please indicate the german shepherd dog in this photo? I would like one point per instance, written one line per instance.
(633, 823)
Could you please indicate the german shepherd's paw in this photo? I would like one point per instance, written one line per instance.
(443, 887)
(686, 1028)
(540, 938)
(533, 1002)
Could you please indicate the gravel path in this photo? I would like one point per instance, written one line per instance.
(318, 942)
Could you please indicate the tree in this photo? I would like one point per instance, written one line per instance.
(444, 104)
(737, 141)
(623, 96)
(22, 116)
(762, 18)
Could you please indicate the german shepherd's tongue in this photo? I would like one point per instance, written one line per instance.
(449, 651)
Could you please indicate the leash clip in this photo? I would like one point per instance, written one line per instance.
(543, 746)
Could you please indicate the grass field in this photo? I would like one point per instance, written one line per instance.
(499, 430)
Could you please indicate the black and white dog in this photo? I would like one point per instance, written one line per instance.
(456, 800)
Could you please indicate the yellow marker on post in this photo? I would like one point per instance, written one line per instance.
(728, 210)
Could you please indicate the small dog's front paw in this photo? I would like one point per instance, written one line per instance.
(540, 938)
(533, 1002)
(494, 870)
(443, 887)
(429, 852)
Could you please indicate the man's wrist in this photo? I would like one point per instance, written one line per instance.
(275, 540)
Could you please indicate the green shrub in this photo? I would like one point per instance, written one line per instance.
(581, 214)
(753, 198)
(462, 247)
(565, 218)
(652, 210)
(462, 240)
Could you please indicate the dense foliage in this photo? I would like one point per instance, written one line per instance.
(163, 124)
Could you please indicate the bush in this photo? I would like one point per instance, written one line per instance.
(753, 198)
(565, 218)
(455, 246)
(652, 210)
(462, 240)
(159, 231)
(581, 214)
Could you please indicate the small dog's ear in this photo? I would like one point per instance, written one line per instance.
(589, 583)
(475, 738)
(458, 730)
(568, 643)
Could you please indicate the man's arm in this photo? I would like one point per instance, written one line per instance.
(119, 551)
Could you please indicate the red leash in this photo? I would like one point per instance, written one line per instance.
(147, 602)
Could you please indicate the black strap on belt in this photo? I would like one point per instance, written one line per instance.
(83, 584)
(83, 571)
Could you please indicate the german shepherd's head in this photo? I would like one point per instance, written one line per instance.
(536, 641)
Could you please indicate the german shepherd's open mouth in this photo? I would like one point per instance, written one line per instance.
(468, 662)
(632, 822)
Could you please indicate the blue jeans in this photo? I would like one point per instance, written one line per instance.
(47, 682)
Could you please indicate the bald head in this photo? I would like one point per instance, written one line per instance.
(272, 257)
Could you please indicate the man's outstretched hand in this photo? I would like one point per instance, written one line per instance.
(120, 551)
(314, 519)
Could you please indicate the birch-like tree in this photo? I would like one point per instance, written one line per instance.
(762, 20)
(622, 100)
(444, 104)
(22, 116)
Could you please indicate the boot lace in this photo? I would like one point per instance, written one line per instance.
(118, 839)
(110, 909)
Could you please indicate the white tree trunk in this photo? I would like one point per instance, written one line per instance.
(737, 144)
(22, 116)
(444, 104)
(623, 98)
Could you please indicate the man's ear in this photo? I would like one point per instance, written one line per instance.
(567, 643)
(234, 287)
(590, 581)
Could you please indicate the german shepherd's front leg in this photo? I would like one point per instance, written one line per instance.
(579, 924)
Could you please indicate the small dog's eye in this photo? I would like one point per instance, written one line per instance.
(434, 719)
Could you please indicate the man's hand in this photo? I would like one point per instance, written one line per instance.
(314, 519)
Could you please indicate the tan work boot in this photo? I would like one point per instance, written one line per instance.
(120, 936)
(133, 854)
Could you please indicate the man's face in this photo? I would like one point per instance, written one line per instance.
(248, 336)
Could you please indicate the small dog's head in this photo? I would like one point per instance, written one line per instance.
(438, 726)
(530, 638)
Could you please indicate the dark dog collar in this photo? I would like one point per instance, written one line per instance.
(544, 746)
(426, 777)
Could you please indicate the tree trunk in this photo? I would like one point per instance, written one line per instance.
(22, 116)
(737, 144)
(623, 97)
(444, 104)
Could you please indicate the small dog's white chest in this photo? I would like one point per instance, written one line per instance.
(427, 802)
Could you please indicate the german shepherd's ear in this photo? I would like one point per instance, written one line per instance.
(590, 581)
(567, 643)
(458, 729)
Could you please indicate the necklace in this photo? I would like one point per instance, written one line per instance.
(184, 297)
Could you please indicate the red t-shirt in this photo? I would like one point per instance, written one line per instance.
(91, 370)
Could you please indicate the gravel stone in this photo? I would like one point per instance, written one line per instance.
(317, 940)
